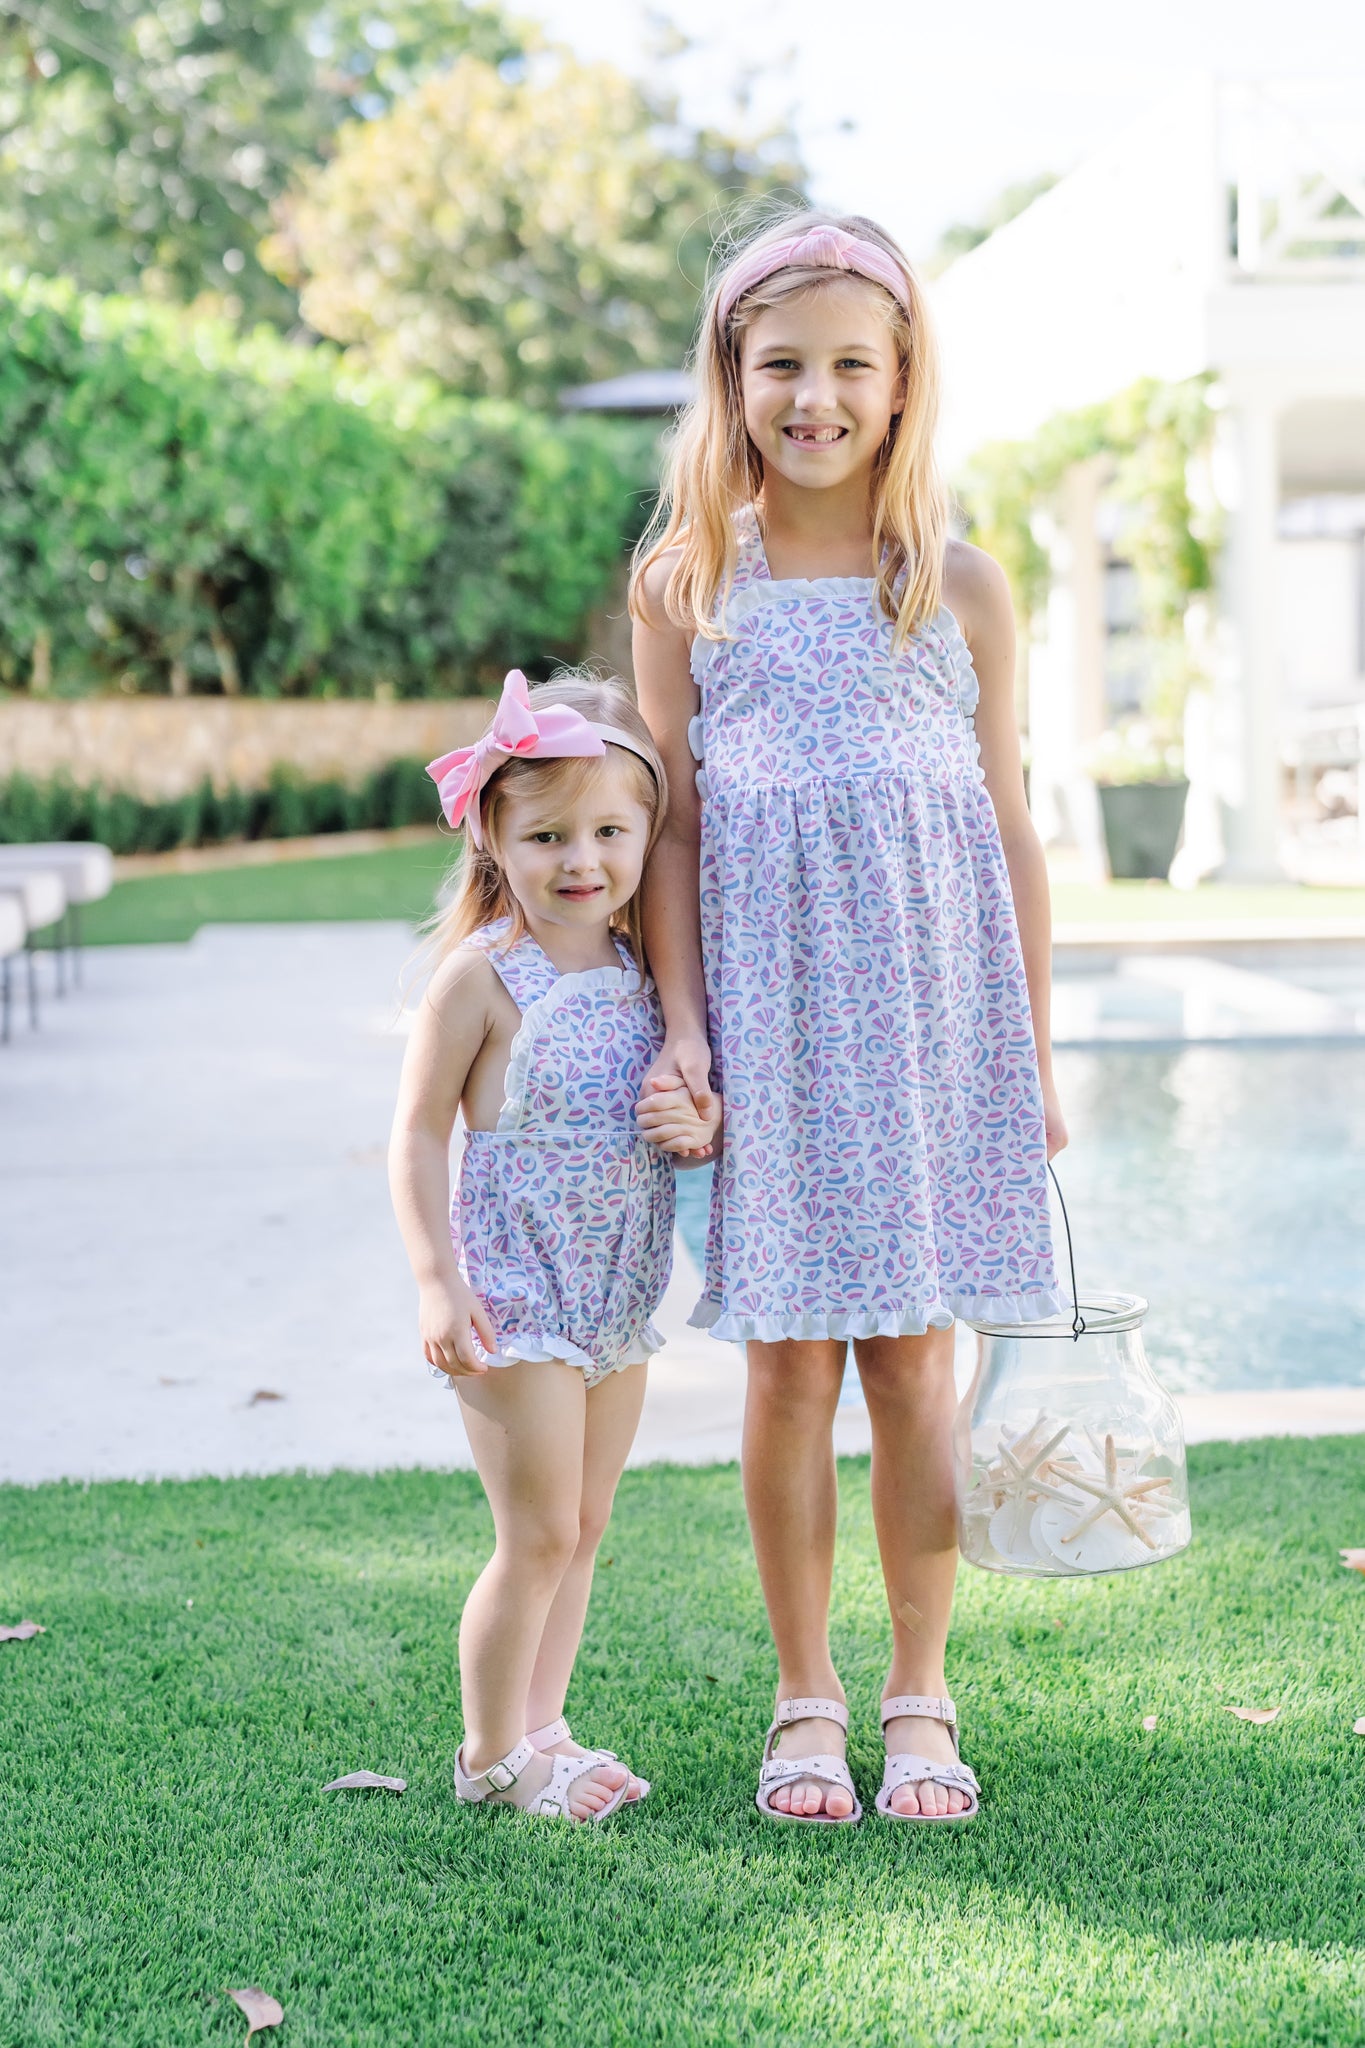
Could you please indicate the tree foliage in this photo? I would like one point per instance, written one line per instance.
(184, 509)
(144, 141)
(514, 228)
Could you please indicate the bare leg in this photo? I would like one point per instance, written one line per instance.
(526, 1426)
(612, 1417)
(908, 1385)
(789, 1489)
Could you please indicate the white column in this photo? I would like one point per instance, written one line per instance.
(1249, 682)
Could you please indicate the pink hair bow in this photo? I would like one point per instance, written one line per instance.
(556, 733)
(822, 248)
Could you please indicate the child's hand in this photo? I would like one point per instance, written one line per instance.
(449, 1315)
(669, 1118)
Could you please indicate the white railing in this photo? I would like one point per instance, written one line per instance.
(1295, 154)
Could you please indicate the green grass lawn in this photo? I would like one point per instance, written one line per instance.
(402, 881)
(163, 1833)
(1211, 902)
(399, 882)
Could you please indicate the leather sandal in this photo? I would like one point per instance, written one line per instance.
(785, 1770)
(558, 1731)
(499, 1780)
(903, 1768)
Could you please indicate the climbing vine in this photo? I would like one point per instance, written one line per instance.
(1156, 436)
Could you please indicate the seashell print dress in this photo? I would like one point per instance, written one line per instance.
(563, 1216)
(884, 1161)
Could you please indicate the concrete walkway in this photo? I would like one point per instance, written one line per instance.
(194, 1215)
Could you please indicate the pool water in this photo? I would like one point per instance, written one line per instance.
(1226, 1182)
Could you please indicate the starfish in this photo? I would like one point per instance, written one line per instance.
(1017, 1482)
(1117, 1494)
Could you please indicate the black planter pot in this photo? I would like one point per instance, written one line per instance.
(1142, 823)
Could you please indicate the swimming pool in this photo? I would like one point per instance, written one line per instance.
(1225, 1182)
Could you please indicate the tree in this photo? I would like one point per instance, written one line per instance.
(513, 228)
(963, 235)
(143, 142)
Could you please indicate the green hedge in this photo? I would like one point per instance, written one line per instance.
(182, 506)
(399, 793)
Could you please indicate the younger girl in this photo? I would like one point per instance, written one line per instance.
(842, 882)
(536, 1292)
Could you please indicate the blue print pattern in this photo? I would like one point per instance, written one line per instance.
(884, 1166)
(563, 1216)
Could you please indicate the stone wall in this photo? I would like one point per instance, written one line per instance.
(158, 747)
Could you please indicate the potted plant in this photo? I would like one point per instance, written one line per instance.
(1139, 773)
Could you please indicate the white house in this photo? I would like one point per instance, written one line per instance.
(1225, 233)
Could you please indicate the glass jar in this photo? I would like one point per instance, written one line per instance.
(1070, 1455)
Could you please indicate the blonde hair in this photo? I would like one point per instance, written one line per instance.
(476, 892)
(714, 468)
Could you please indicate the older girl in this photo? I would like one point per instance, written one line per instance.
(853, 887)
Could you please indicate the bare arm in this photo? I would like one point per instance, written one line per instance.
(672, 916)
(450, 1028)
(980, 596)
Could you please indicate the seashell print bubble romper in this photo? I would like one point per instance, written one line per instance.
(562, 1218)
(884, 1162)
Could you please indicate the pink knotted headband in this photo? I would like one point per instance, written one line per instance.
(555, 733)
(821, 248)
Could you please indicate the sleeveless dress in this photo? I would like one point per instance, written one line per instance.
(884, 1160)
(562, 1217)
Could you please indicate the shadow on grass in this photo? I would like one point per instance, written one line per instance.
(165, 1831)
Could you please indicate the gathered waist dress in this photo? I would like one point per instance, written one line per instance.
(562, 1217)
(884, 1161)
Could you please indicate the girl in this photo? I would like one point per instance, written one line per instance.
(806, 626)
(536, 1292)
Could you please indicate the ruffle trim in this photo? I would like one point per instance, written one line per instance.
(540, 1347)
(625, 979)
(913, 1322)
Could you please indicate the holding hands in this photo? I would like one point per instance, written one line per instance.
(679, 1112)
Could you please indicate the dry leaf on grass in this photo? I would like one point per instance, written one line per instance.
(358, 1780)
(1260, 1715)
(1359, 1728)
(260, 2008)
(263, 1394)
(1354, 1560)
(21, 1632)
(1149, 1722)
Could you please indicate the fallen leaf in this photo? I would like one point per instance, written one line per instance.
(1149, 1722)
(1359, 1728)
(360, 1779)
(1260, 1715)
(1354, 1560)
(264, 1394)
(21, 1632)
(709, 1679)
(606, 1561)
(260, 2008)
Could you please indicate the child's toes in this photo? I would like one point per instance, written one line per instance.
(905, 1799)
(782, 1799)
(838, 1805)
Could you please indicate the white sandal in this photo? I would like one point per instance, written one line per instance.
(827, 1770)
(552, 1800)
(903, 1768)
(558, 1731)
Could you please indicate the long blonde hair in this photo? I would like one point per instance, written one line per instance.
(476, 892)
(714, 468)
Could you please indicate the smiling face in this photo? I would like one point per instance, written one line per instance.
(573, 848)
(821, 382)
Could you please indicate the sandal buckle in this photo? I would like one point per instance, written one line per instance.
(500, 1777)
